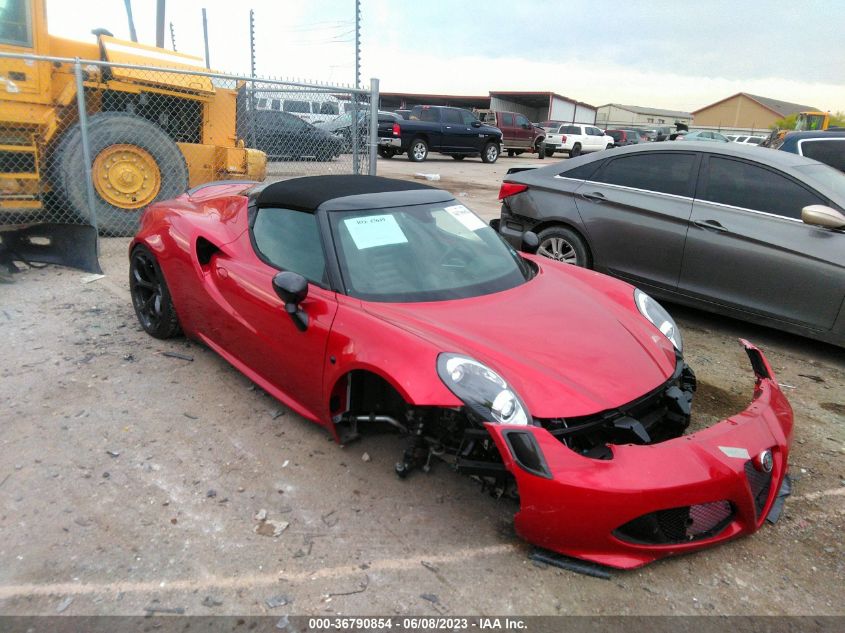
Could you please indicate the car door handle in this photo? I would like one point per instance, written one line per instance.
(710, 225)
(595, 196)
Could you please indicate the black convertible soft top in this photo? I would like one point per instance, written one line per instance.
(309, 192)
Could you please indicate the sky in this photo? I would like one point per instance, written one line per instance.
(677, 55)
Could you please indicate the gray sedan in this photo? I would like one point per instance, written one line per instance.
(757, 235)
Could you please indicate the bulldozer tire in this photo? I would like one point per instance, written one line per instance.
(135, 163)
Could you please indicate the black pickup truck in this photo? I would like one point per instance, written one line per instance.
(451, 131)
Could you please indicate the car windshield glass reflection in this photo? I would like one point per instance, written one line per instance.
(430, 252)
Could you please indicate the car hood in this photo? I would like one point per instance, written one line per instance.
(571, 342)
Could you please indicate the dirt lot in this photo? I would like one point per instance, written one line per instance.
(131, 479)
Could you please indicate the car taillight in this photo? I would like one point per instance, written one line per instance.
(511, 189)
(396, 129)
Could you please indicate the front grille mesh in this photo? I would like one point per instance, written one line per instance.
(678, 525)
(760, 483)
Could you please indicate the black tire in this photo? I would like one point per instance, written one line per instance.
(511, 153)
(575, 151)
(549, 152)
(458, 156)
(609, 146)
(385, 153)
(519, 152)
(490, 152)
(418, 150)
(541, 154)
(151, 296)
(564, 245)
(107, 129)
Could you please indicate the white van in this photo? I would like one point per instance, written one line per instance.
(310, 110)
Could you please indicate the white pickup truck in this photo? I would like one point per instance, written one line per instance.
(575, 139)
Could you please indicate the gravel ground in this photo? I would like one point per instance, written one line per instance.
(130, 479)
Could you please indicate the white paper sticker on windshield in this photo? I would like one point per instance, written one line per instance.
(375, 230)
(466, 217)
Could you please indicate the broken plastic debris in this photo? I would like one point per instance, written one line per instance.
(427, 176)
(87, 279)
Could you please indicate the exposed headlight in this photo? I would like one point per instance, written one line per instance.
(481, 389)
(658, 316)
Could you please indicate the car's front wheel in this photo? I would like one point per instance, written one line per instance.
(418, 151)
(541, 154)
(564, 245)
(151, 296)
(490, 153)
(609, 146)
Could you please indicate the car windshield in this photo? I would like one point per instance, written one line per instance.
(827, 176)
(428, 252)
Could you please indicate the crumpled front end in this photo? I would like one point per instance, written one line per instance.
(650, 501)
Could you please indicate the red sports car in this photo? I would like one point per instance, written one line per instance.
(363, 301)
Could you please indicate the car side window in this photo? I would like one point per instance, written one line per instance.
(290, 240)
(665, 173)
(452, 116)
(521, 120)
(430, 115)
(467, 117)
(507, 119)
(830, 151)
(741, 184)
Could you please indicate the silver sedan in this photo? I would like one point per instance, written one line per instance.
(757, 235)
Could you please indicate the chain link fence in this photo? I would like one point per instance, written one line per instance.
(86, 146)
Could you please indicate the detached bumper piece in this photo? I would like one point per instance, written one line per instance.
(648, 501)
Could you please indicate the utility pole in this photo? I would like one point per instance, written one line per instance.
(172, 36)
(160, 23)
(132, 34)
(205, 37)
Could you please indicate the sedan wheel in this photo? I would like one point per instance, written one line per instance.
(563, 245)
(559, 249)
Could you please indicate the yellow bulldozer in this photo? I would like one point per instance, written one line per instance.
(152, 133)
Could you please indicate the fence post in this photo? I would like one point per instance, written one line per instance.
(353, 128)
(86, 146)
(373, 140)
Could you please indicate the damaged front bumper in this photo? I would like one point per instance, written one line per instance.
(652, 501)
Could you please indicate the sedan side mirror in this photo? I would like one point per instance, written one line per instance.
(292, 288)
(530, 242)
(821, 215)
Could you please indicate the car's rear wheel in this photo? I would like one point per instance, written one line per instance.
(490, 153)
(150, 295)
(564, 245)
(418, 151)
(539, 149)
(575, 151)
(549, 152)
(385, 153)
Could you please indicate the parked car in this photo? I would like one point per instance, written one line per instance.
(661, 133)
(363, 303)
(518, 133)
(550, 125)
(747, 140)
(342, 126)
(283, 136)
(576, 139)
(826, 147)
(756, 235)
(700, 135)
(451, 131)
(624, 137)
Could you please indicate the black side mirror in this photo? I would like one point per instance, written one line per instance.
(476, 124)
(530, 242)
(292, 288)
